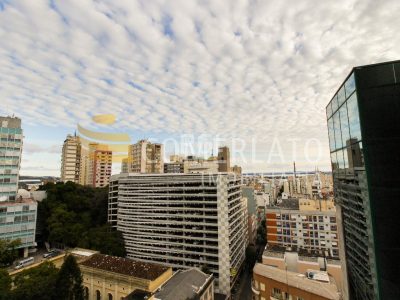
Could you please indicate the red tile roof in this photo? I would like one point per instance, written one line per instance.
(125, 266)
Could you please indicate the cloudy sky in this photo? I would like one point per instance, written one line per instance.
(256, 75)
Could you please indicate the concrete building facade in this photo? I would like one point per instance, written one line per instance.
(71, 159)
(182, 221)
(270, 283)
(110, 277)
(99, 164)
(312, 230)
(224, 159)
(146, 157)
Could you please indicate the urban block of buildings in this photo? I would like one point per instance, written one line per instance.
(364, 138)
(182, 221)
(85, 163)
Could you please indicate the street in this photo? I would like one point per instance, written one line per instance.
(242, 291)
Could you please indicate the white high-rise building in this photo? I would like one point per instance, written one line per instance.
(17, 214)
(182, 221)
(10, 156)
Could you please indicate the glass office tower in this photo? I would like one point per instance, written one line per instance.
(364, 137)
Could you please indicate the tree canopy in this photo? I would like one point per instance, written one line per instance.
(8, 251)
(76, 216)
(35, 283)
(69, 281)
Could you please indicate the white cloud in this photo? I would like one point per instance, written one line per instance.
(237, 68)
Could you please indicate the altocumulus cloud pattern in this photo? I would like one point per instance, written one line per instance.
(237, 68)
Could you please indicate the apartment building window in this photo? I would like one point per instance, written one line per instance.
(277, 293)
(333, 219)
(320, 218)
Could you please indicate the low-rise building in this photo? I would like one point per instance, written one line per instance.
(111, 277)
(274, 284)
(18, 221)
(300, 262)
(187, 284)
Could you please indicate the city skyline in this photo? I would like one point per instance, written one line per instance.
(247, 71)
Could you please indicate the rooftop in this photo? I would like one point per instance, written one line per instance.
(125, 266)
(18, 201)
(183, 285)
(299, 281)
(291, 203)
(272, 250)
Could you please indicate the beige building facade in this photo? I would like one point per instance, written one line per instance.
(114, 278)
(146, 157)
(71, 159)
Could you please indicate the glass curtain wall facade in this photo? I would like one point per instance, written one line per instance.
(364, 138)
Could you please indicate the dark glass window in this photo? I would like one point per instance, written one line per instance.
(354, 119)
(340, 160)
(345, 159)
(338, 135)
(341, 96)
(350, 85)
(344, 125)
(331, 133)
(334, 161)
(355, 154)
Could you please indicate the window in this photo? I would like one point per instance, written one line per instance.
(354, 118)
(338, 134)
(334, 104)
(86, 293)
(98, 295)
(334, 162)
(277, 293)
(262, 287)
(329, 110)
(341, 96)
(110, 296)
(350, 85)
(344, 124)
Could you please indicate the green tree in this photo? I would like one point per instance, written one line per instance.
(5, 284)
(106, 240)
(261, 234)
(251, 256)
(76, 215)
(69, 281)
(8, 251)
(35, 283)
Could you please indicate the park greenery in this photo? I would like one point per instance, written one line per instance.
(44, 282)
(73, 215)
